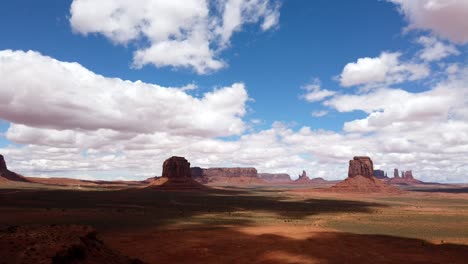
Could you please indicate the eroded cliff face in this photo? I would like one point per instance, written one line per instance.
(226, 175)
(361, 165)
(176, 167)
(361, 178)
(2, 163)
(6, 175)
(275, 177)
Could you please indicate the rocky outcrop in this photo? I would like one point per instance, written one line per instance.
(361, 165)
(176, 175)
(303, 178)
(226, 175)
(395, 174)
(7, 175)
(176, 167)
(406, 178)
(3, 165)
(275, 177)
(57, 244)
(408, 175)
(361, 178)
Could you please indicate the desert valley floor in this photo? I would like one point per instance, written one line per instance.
(232, 224)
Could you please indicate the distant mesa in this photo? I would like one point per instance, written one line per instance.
(406, 178)
(275, 177)
(7, 175)
(380, 174)
(176, 175)
(226, 175)
(361, 178)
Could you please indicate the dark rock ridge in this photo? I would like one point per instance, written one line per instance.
(380, 174)
(6, 174)
(361, 165)
(275, 177)
(176, 167)
(225, 175)
(3, 165)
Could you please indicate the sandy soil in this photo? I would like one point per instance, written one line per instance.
(260, 224)
(279, 244)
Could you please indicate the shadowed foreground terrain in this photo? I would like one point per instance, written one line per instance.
(252, 225)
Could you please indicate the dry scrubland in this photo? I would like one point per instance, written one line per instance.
(255, 224)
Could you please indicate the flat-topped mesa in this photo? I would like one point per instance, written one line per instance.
(176, 167)
(275, 177)
(395, 174)
(3, 165)
(361, 165)
(380, 174)
(226, 175)
(230, 172)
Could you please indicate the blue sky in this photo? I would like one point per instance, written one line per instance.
(393, 50)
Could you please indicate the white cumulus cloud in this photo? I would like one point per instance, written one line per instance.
(39, 91)
(385, 69)
(188, 33)
(445, 18)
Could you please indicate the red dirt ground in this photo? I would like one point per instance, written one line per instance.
(278, 244)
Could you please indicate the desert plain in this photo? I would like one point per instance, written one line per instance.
(136, 222)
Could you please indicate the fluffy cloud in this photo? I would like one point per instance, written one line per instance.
(72, 122)
(39, 91)
(426, 131)
(314, 93)
(385, 69)
(435, 50)
(446, 18)
(188, 33)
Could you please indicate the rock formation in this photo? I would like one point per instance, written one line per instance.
(395, 173)
(275, 177)
(176, 167)
(176, 175)
(57, 244)
(361, 178)
(405, 179)
(380, 174)
(303, 178)
(3, 165)
(361, 166)
(8, 175)
(226, 175)
(408, 175)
